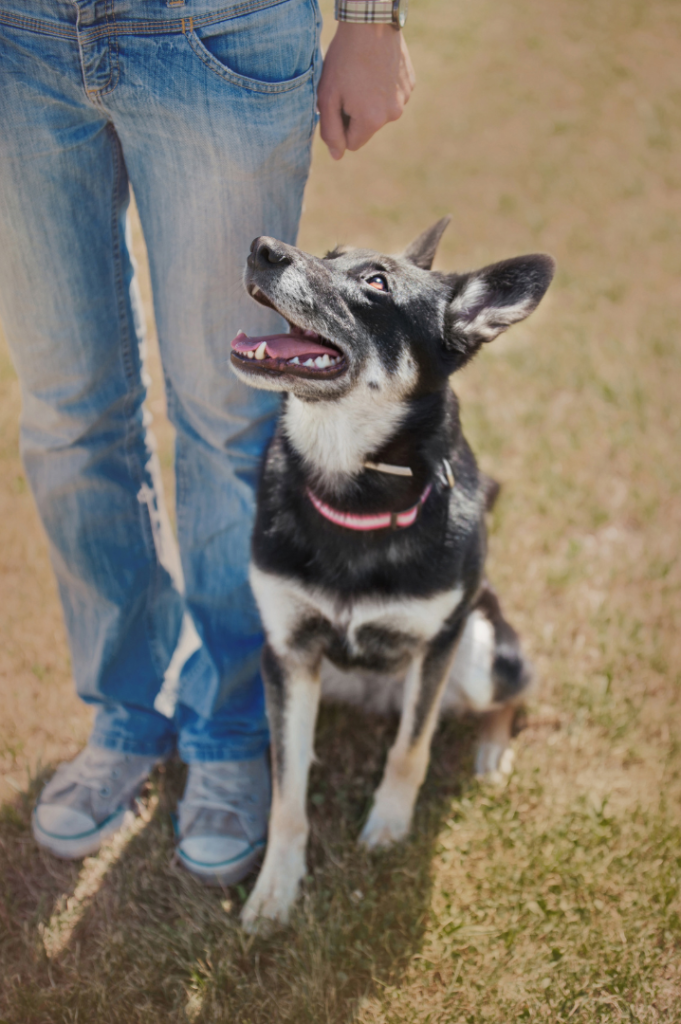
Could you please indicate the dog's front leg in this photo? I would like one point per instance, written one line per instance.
(407, 764)
(292, 689)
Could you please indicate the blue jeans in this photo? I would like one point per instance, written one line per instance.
(208, 108)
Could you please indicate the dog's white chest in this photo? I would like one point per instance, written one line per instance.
(285, 605)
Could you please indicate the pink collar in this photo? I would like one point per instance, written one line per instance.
(380, 521)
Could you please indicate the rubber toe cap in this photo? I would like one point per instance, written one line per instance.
(63, 822)
(211, 853)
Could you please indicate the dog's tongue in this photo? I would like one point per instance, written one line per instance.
(283, 346)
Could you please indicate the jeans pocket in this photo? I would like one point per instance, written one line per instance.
(270, 50)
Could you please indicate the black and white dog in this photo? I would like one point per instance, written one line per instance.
(369, 543)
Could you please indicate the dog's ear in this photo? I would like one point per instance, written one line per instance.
(486, 302)
(422, 250)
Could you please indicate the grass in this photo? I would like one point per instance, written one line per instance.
(541, 126)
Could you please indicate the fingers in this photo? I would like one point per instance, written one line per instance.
(331, 127)
(363, 126)
(371, 118)
(340, 131)
(407, 68)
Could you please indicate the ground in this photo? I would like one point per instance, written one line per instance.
(541, 125)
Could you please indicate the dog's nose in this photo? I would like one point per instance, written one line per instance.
(266, 251)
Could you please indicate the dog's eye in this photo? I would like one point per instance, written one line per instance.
(379, 282)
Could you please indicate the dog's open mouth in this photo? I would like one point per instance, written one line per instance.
(303, 353)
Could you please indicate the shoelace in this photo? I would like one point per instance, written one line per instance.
(89, 771)
(209, 792)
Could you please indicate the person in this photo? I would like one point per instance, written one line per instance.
(208, 108)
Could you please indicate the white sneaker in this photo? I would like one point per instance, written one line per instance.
(223, 819)
(87, 800)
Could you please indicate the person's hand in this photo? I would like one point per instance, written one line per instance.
(366, 81)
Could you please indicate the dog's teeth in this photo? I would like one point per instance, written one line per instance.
(241, 334)
(309, 362)
(251, 355)
(295, 361)
(319, 362)
(261, 350)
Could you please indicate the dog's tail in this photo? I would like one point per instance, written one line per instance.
(511, 670)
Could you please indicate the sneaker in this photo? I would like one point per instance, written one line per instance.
(223, 819)
(87, 800)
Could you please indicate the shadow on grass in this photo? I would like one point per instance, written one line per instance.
(150, 944)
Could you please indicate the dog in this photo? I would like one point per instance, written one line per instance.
(369, 543)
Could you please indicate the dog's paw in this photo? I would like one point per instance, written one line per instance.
(494, 762)
(271, 901)
(383, 830)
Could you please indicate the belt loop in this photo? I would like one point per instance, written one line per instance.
(183, 32)
(191, 24)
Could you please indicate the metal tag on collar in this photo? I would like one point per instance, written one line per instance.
(448, 474)
(384, 467)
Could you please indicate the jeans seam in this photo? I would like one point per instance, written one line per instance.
(36, 25)
(315, 58)
(170, 27)
(215, 750)
(114, 70)
(153, 590)
(122, 742)
(136, 472)
(180, 489)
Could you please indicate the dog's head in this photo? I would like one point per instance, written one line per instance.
(389, 321)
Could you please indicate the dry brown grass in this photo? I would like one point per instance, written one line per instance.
(541, 126)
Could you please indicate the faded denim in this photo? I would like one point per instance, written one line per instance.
(208, 108)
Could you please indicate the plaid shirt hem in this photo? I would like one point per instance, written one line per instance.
(364, 11)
